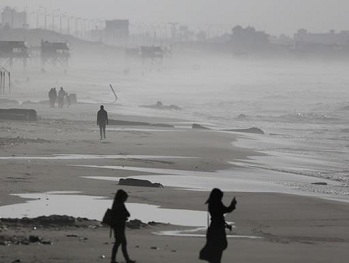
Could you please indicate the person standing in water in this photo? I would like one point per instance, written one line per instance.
(216, 238)
(102, 121)
(61, 95)
(119, 217)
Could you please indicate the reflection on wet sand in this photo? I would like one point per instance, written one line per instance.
(93, 207)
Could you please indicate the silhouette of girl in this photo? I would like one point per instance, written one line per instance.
(216, 239)
(120, 216)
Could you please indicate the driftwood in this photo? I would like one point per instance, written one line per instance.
(18, 114)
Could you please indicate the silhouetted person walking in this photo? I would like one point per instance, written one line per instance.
(61, 95)
(216, 239)
(52, 95)
(102, 121)
(119, 218)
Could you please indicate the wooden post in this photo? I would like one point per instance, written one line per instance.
(1, 81)
(4, 82)
(9, 82)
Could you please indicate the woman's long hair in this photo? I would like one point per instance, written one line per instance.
(216, 196)
(120, 196)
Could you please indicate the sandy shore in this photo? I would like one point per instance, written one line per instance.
(290, 228)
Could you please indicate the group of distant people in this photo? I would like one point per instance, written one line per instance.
(216, 239)
(58, 97)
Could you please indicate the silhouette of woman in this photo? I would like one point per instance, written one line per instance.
(119, 217)
(216, 239)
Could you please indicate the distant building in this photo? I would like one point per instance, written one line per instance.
(55, 53)
(246, 40)
(330, 38)
(117, 31)
(13, 19)
(13, 50)
(329, 43)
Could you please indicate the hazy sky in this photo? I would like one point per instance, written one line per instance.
(273, 16)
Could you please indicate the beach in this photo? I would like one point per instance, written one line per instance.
(60, 155)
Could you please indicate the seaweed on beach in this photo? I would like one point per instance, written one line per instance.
(20, 140)
(48, 221)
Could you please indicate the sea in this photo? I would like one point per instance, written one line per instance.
(301, 104)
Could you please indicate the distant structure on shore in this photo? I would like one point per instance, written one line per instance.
(13, 51)
(12, 19)
(54, 54)
(307, 42)
(117, 31)
(150, 43)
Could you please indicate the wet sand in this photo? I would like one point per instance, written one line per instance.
(292, 228)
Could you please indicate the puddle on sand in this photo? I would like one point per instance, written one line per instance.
(197, 232)
(93, 207)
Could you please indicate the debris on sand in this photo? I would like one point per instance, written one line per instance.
(8, 240)
(47, 222)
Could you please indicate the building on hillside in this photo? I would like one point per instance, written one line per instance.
(247, 40)
(13, 19)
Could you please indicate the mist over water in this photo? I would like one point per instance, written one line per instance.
(301, 104)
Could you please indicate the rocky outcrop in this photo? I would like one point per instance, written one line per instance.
(139, 182)
(161, 106)
(198, 126)
(138, 123)
(249, 130)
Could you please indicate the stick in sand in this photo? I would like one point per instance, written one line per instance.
(116, 97)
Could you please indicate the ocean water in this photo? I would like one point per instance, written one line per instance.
(301, 105)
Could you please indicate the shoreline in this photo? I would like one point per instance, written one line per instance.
(293, 228)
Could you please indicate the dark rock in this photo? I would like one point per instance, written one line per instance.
(34, 239)
(319, 183)
(135, 224)
(198, 126)
(155, 248)
(138, 123)
(249, 130)
(139, 182)
(242, 116)
(160, 106)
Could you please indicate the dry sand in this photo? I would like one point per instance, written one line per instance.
(291, 228)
